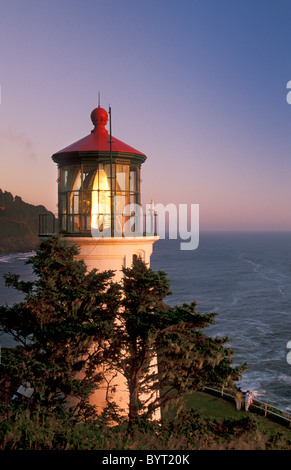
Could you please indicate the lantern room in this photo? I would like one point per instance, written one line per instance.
(99, 200)
(99, 184)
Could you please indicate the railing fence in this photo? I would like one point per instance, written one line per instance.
(80, 224)
(256, 406)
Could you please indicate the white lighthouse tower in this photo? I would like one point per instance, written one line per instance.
(99, 197)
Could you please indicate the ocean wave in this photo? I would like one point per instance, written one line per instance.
(6, 259)
(250, 385)
(256, 267)
(25, 256)
(16, 256)
(285, 378)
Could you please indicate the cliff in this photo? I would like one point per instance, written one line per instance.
(19, 223)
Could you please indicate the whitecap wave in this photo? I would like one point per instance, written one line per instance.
(255, 266)
(6, 259)
(16, 256)
(285, 378)
(25, 256)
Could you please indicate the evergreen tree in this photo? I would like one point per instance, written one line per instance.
(62, 324)
(71, 322)
(149, 333)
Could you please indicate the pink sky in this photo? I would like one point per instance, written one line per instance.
(200, 89)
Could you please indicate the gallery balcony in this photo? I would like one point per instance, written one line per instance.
(97, 225)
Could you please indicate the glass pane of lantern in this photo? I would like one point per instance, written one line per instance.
(76, 202)
(76, 227)
(87, 223)
(133, 180)
(63, 223)
(134, 223)
(64, 174)
(100, 208)
(89, 173)
(122, 177)
(107, 170)
(73, 182)
(62, 203)
(121, 201)
(86, 202)
(78, 181)
(73, 202)
(102, 179)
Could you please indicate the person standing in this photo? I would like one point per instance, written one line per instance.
(238, 399)
(248, 400)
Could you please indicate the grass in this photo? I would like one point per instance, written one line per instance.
(220, 408)
(199, 422)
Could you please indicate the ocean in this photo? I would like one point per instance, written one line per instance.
(246, 278)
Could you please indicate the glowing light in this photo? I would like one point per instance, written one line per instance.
(100, 206)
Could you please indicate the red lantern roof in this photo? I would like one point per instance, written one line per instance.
(99, 139)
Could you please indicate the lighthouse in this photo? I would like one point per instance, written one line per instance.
(100, 210)
(99, 199)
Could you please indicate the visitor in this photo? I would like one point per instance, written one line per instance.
(238, 399)
(248, 400)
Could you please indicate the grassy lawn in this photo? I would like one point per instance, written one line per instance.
(220, 408)
(216, 407)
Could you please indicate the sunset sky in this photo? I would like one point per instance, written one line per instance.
(199, 86)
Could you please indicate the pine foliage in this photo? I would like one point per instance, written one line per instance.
(62, 324)
(71, 322)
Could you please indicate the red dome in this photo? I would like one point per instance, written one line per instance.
(98, 140)
(99, 117)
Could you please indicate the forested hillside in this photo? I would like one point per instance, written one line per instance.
(18, 223)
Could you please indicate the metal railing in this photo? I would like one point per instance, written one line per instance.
(80, 224)
(47, 224)
(256, 406)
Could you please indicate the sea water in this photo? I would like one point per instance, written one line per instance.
(245, 277)
(14, 263)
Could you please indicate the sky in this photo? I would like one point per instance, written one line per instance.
(199, 86)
